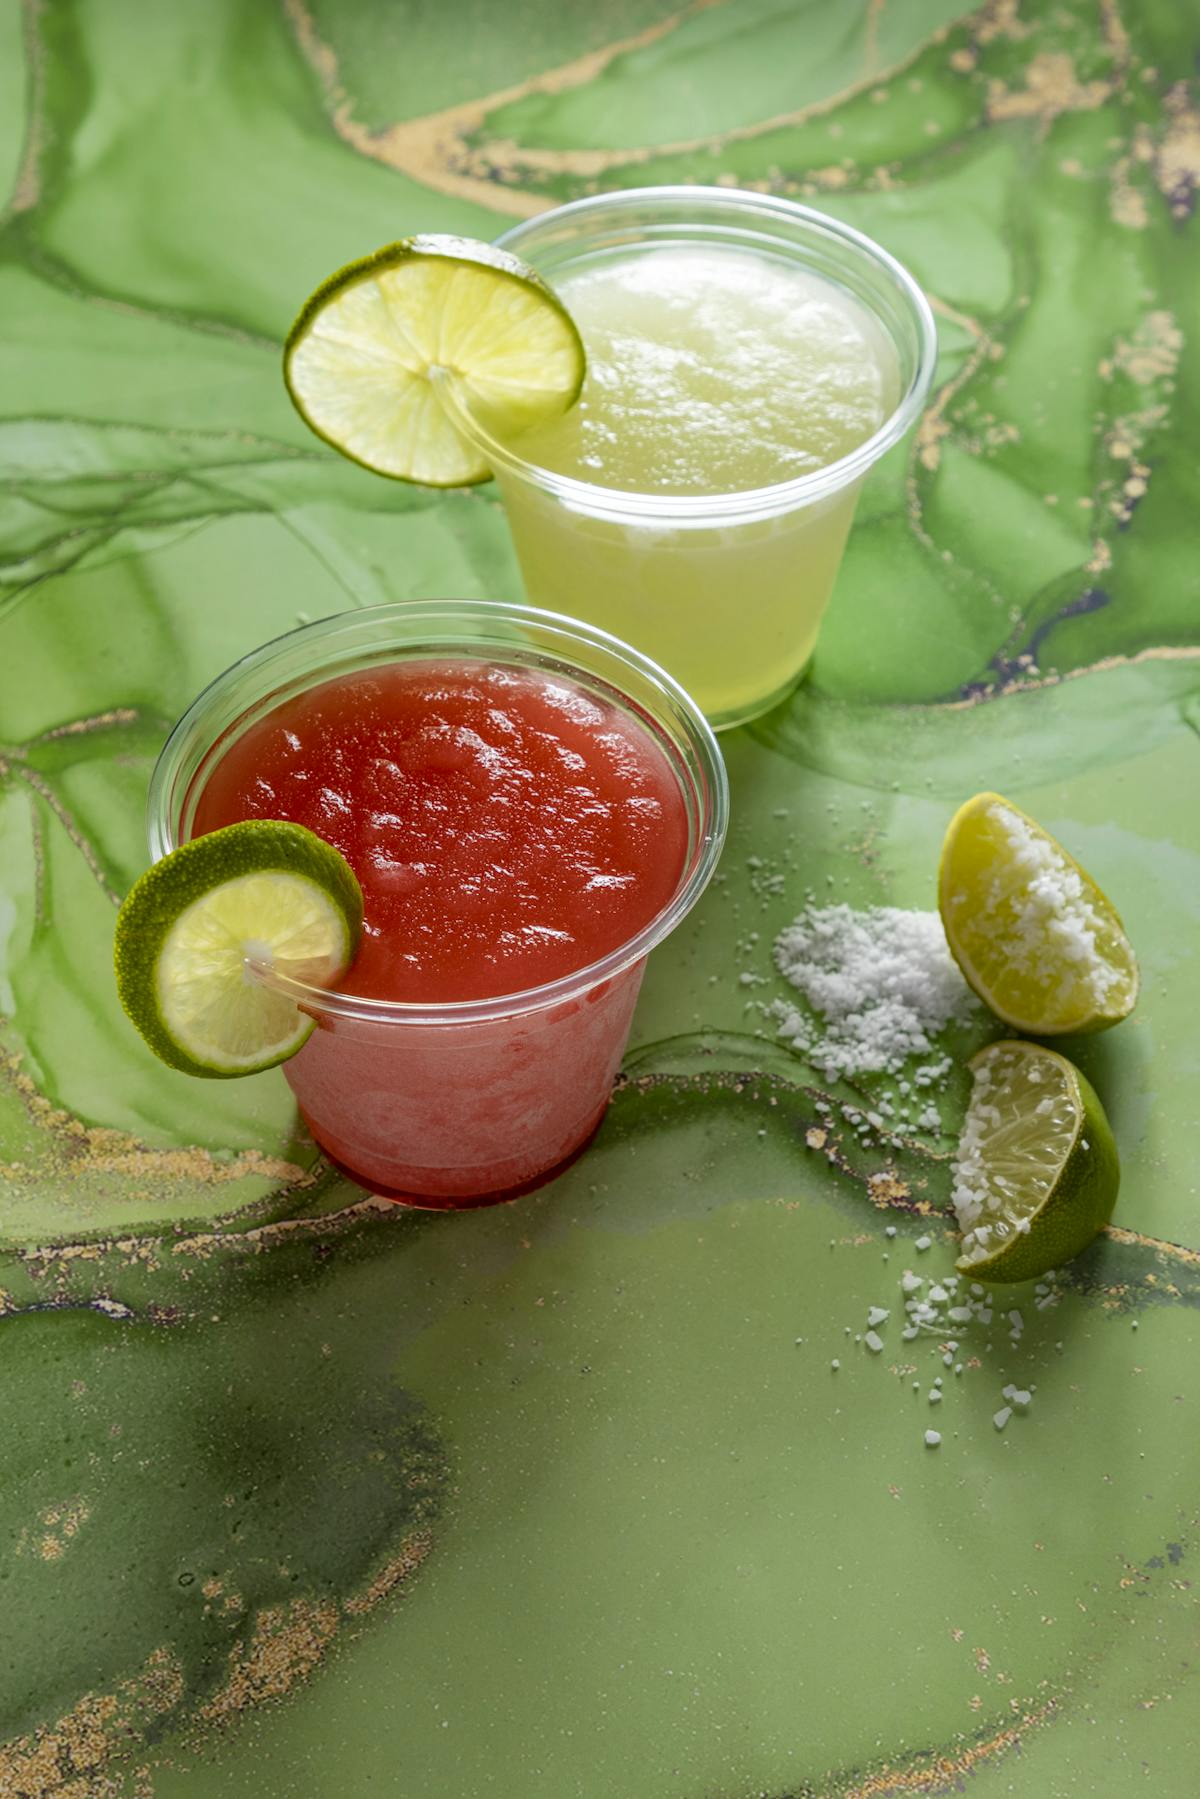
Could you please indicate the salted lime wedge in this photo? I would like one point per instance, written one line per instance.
(200, 933)
(1030, 929)
(381, 345)
(1036, 1172)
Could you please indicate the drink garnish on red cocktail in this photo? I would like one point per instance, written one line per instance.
(202, 927)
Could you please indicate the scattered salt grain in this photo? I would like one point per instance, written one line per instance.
(1057, 927)
(1001, 1418)
(873, 1341)
(882, 980)
(922, 1243)
(878, 1315)
(932, 1438)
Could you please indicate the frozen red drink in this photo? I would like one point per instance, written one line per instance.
(528, 806)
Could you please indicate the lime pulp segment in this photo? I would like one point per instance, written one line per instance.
(1017, 1136)
(364, 358)
(211, 1001)
(1035, 1175)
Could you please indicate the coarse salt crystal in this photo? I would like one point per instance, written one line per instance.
(883, 981)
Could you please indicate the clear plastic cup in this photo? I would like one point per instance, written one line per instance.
(468, 1102)
(727, 591)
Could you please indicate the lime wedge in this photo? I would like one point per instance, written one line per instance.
(1036, 1172)
(193, 930)
(1030, 929)
(364, 359)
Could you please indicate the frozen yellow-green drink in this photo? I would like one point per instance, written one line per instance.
(748, 360)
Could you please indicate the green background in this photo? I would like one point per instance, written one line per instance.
(302, 1496)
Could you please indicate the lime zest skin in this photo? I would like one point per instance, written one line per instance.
(527, 367)
(187, 899)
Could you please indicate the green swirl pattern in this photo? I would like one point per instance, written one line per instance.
(303, 1496)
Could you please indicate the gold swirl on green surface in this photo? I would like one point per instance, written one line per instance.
(568, 1497)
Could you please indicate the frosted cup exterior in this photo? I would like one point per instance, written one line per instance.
(461, 1103)
(726, 590)
(461, 1111)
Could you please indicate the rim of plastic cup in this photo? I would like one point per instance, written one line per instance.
(181, 759)
(756, 501)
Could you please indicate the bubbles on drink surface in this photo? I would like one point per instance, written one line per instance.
(714, 371)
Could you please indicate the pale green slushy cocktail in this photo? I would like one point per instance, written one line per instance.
(744, 372)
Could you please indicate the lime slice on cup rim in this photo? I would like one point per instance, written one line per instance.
(1031, 931)
(1036, 1172)
(365, 357)
(197, 927)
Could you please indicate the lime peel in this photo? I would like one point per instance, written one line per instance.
(201, 926)
(1036, 1172)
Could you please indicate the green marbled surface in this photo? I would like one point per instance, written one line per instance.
(303, 1496)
